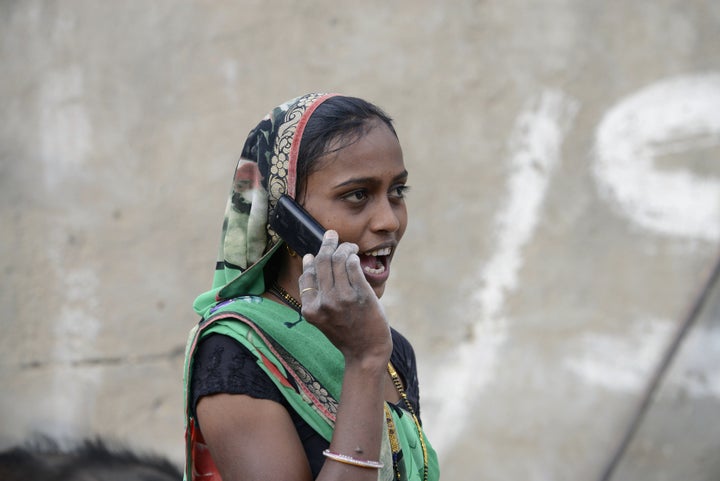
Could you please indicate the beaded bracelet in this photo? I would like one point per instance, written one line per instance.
(343, 458)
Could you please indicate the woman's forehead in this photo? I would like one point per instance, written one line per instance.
(377, 153)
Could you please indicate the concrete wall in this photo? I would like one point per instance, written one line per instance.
(564, 218)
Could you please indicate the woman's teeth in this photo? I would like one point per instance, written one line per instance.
(374, 271)
(379, 266)
(385, 251)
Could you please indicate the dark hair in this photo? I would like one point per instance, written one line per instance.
(44, 459)
(339, 118)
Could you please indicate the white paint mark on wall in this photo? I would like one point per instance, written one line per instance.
(672, 116)
(65, 143)
(626, 363)
(229, 70)
(621, 363)
(65, 131)
(72, 394)
(701, 384)
(535, 151)
(697, 367)
(77, 327)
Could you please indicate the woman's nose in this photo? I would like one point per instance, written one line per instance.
(385, 217)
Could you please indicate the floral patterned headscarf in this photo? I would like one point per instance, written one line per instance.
(267, 169)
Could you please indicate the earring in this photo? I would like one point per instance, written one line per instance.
(290, 251)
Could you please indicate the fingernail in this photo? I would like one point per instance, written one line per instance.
(331, 235)
(307, 260)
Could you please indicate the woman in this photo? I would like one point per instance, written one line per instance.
(282, 337)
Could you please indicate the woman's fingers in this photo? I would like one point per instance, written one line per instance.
(331, 263)
(340, 265)
(323, 261)
(308, 280)
(334, 277)
(354, 272)
(337, 299)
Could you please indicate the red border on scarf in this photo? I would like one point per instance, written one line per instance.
(295, 148)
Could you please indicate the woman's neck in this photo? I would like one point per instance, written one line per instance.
(289, 273)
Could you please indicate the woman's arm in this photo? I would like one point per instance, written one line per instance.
(337, 299)
(252, 439)
(256, 438)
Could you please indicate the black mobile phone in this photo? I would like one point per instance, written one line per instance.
(296, 227)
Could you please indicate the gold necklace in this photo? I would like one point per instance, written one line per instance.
(285, 296)
(394, 443)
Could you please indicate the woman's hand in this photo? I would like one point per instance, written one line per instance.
(338, 300)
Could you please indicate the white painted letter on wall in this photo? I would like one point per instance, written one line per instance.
(672, 116)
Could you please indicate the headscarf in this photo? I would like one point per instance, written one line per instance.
(267, 169)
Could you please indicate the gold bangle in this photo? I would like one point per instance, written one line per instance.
(361, 463)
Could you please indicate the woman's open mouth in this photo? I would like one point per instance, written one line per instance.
(374, 263)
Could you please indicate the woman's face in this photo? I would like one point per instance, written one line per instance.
(359, 192)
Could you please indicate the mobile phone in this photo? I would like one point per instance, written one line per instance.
(296, 227)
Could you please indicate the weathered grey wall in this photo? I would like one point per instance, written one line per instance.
(565, 212)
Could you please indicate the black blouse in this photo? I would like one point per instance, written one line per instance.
(223, 365)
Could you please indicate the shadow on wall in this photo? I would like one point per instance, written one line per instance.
(44, 460)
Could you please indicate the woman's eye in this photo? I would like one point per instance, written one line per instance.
(399, 191)
(356, 196)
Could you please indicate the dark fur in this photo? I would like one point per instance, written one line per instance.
(92, 460)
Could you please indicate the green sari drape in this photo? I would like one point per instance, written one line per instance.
(280, 340)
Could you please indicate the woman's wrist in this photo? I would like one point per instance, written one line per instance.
(370, 360)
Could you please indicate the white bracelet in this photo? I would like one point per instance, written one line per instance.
(343, 458)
